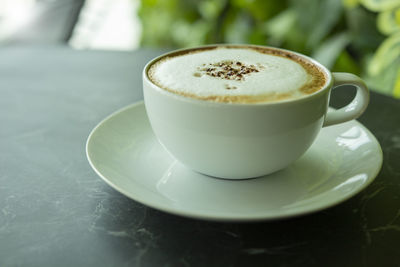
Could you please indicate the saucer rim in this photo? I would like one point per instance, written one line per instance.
(212, 216)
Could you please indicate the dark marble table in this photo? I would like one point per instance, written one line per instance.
(55, 211)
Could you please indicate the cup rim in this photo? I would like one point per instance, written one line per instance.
(326, 87)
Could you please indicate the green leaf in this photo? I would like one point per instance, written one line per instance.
(278, 27)
(362, 26)
(380, 5)
(238, 29)
(388, 52)
(317, 18)
(346, 63)
(210, 9)
(328, 52)
(158, 16)
(330, 13)
(388, 22)
(260, 10)
(396, 90)
(386, 82)
(350, 3)
(257, 37)
(189, 34)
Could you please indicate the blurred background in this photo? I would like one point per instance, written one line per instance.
(358, 36)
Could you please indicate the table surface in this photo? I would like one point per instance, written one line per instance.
(55, 211)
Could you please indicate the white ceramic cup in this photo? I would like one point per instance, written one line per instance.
(238, 141)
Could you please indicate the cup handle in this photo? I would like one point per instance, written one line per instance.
(356, 107)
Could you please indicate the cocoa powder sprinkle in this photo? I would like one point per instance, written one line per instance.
(229, 70)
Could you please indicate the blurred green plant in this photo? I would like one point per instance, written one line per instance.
(384, 67)
(358, 36)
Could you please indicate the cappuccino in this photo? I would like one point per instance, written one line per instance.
(237, 74)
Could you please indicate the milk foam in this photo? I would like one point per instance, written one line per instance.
(195, 74)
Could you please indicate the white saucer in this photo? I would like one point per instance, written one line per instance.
(124, 152)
